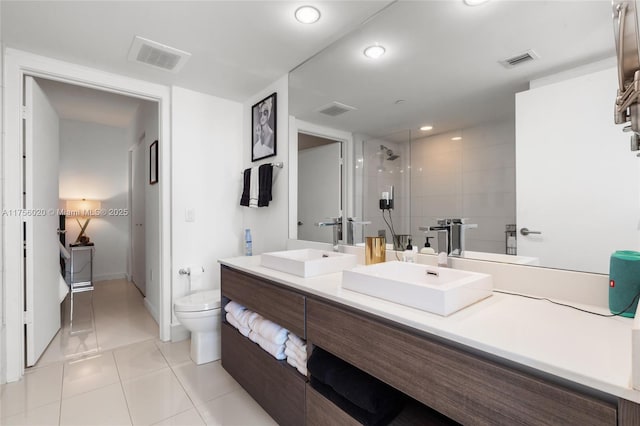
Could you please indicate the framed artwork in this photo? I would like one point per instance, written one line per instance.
(263, 128)
(153, 163)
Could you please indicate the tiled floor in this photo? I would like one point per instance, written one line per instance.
(107, 380)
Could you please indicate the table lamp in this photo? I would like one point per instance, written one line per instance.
(83, 209)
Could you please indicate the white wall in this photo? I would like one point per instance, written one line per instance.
(146, 122)
(473, 178)
(207, 147)
(269, 225)
(94, 165)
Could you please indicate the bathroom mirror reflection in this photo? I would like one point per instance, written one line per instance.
(548, 159)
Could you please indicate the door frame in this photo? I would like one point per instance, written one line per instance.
(17, 65)
(346, 139)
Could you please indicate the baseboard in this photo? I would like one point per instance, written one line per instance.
(152, 310)
(110, 277)
(179, 333)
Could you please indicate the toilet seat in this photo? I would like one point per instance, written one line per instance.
(198, 301)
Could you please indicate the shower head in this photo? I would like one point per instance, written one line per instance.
(390, 155)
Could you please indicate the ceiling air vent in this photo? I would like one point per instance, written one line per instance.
(157, 55)
(520, 59)
(335, 108)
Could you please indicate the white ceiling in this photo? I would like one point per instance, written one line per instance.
(237, 47)
(442, 56)
(442, 60)
(90, 105)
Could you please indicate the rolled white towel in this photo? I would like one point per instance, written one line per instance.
(277, 351)
(296, 340)
(234, 322)
(253, 317)
(270, 331)
(235, 308)
(291, 354)
(301, 369)
(301, 352)
(244, 317)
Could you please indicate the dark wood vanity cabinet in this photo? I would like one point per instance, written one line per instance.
(463, 385)
(275, 385)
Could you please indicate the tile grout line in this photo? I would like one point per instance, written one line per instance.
(61, 393)
(124, 394)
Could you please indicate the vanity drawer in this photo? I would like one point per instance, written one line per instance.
(282, 306)
(322, 412)
(276, 386)
(466, 388)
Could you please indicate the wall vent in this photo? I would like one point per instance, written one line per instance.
(519, 59)
(157, 55)
(334, 109)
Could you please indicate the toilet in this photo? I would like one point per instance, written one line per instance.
(199, 313)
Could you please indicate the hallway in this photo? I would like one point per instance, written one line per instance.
(114, 371)
(118, 318)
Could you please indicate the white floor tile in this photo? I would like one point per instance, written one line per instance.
(175, 352)
(45, 415)
(37, 388)
(234, 409)
(188, 418)
(104, 406)
(205, 382)
(155, 397)
(87, 374)
(139, 359)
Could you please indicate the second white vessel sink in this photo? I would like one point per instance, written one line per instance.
(438, 290)
(308, 262)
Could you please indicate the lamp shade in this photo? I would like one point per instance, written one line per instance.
(83, 208)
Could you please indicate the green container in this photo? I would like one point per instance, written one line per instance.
(624, 282)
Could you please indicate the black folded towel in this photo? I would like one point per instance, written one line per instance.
(244, 200)
(388, 412)
(355, 385)
(265, 181)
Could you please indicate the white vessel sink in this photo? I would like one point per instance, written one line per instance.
(438, 290)
(308, 262)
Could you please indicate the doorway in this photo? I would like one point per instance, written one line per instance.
(95, 133)
(18, 65)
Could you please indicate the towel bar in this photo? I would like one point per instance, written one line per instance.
(279, 165)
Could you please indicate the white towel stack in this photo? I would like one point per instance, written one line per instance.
(296, 352)
(267, 334)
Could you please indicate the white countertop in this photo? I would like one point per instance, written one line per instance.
(583, 348)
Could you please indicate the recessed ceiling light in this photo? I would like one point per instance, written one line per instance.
(374, 52)
(474, 2)
(307, 14)
(456, 138)
(426, 128)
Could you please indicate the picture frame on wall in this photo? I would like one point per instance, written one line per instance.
(153, 163)
(263, 128)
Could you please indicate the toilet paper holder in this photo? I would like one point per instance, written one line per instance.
(187, 271)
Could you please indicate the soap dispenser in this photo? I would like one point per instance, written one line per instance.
(408, 253)
(427, 249)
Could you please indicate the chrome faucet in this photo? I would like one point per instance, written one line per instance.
(351, 222)
(336, 223)
(450, 235)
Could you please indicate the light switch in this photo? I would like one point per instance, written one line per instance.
(190, 215)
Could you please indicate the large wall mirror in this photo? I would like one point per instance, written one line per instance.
(519, 99)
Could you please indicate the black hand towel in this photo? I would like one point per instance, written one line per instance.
(355, 385)
(265, 181)
(244, 200)
(382, 417)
